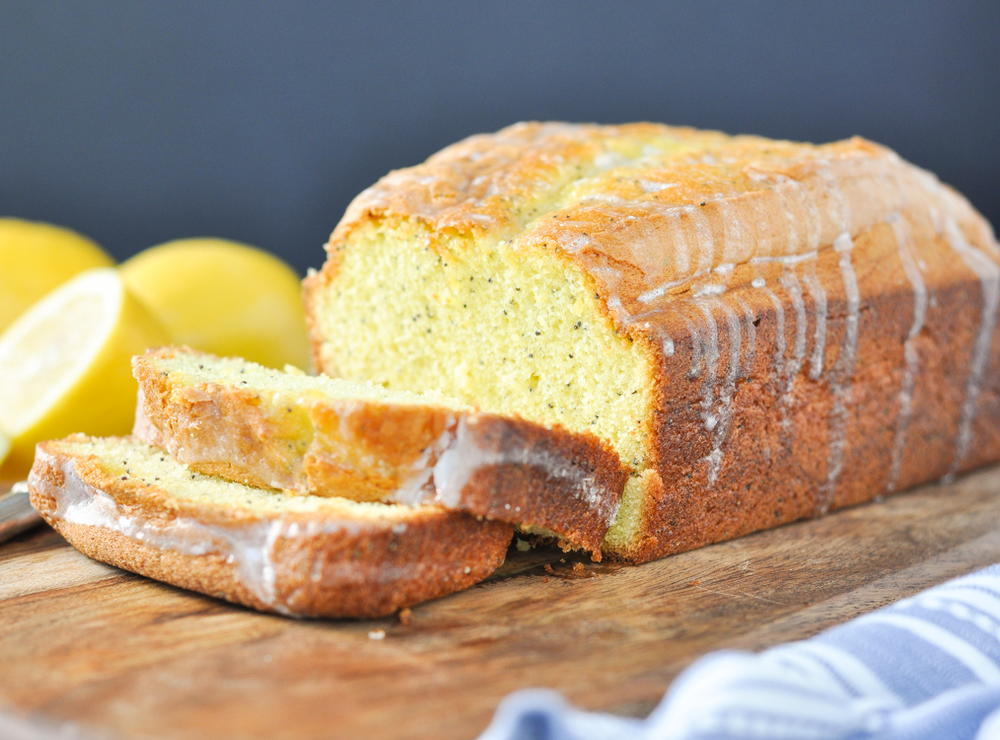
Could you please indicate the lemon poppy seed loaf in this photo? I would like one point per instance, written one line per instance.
(329, 436)
(762, 330)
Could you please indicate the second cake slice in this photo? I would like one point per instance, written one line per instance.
(319, 435)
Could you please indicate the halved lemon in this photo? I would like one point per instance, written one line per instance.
(37, 257)
(65, 364)
(223, 297)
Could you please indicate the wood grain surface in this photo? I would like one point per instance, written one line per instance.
(90, 651)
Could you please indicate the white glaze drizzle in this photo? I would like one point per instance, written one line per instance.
(989, 279)
(787, 260)
(761, 229)
(717, 412)
(782, 188)
(667, 343)
(843, 373)
(446, 467)
(749, 337)
(704, 246)
(706, 243)
(813, 285)
(988, 274)
(575, 244)
(836, 192)
(787, 188)
(661, 290)
(815, 226)
(643, 320)
(791, 284)
(725, 406)
(710, 358)
(682, 248)
(617, 308)
(821, 211)
(708, 289)
(732, 229)
(779, 330)
(840, 378)
(697, 350)
(681, 239)
(960, 208)
(818, 295)
(648, 186)
(911, 358)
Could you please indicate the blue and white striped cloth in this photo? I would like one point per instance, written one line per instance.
(925, 667)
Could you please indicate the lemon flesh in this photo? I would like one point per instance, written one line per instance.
(64, 364)
(223, 297)
(35, 258)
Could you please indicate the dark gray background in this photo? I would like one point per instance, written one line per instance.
(140, 121)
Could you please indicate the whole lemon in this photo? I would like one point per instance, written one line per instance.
(35, 258)
(223, 297)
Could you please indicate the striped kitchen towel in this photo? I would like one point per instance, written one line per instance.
(925, 667)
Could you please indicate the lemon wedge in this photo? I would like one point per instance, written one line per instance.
(223, 297)
(36, 258)
(65, 364)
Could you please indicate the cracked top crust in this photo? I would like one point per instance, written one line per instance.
(649, 210)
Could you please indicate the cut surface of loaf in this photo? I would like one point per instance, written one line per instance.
(763, 330)
(329, 436)
(131, 505)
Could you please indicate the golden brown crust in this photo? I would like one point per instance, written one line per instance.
(497, 467)
(680, 195)
(493, 182)
(780, 459)
(315, 565)
(741, 247)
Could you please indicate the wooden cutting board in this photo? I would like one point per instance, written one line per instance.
(111, 654)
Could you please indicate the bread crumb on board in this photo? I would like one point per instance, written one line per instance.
(376, 635)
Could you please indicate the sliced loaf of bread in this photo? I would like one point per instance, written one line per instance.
(329, 436)
(763, 330)
(126, 503)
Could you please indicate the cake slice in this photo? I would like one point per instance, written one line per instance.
(128, 504)
(328, 436)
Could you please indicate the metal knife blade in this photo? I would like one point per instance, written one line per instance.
(16, 514)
